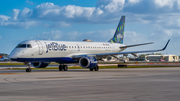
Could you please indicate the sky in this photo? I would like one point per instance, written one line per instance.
(74, 20)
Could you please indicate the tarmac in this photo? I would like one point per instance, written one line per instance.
(126, 84)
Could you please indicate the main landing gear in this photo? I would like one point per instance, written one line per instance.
(63, 67)
(28, 69)
(96, 68)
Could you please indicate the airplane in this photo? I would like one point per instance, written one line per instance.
(40, 53)
(3, 58)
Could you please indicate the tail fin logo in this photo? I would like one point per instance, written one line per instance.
(119, 34)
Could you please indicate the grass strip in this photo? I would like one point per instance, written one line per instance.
(11, 64)
(100, 67)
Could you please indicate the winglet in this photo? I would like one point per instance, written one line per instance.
(165, 46)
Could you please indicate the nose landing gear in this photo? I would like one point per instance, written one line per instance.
(28, 69)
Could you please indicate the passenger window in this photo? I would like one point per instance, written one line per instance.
(29, 46)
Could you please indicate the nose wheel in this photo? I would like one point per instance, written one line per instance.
(28, 69)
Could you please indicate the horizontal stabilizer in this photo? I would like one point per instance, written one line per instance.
(136, 45)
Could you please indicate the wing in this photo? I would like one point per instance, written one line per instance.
(118, 53)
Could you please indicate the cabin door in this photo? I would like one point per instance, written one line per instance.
(78, 47)
(40, 46)
(112, 48)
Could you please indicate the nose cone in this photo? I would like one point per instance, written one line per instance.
(14, 55)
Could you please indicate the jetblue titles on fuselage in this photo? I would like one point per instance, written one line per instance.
(54, 46)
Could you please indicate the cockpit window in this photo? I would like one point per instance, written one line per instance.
(29, 46)
(21, 46)
(24, 46)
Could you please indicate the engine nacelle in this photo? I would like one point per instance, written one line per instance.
(40, 64)
(88, 62)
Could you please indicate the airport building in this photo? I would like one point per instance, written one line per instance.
(167, 58)
(171, 58)
(148, 58)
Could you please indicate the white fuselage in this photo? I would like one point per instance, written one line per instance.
(40, 49)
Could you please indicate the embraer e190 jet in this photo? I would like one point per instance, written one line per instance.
(40, 53)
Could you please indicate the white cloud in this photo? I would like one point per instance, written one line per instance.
(99, 36)
(30, 2)
(164, 3)
(178, 3)
(131, 37)
(19, 19)
(25, 12)
(4, 18)
(111, 5)
(0, 37)
(106, 11)
(60, 24)
(16, 24)
(52, 35)
(134, 1)
(15, 14)
(72, 11)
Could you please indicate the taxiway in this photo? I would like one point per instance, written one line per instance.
(139, 84)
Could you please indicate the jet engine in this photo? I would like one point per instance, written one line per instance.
(40, 64)
(88, 62)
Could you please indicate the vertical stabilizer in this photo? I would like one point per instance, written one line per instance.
(119, 34)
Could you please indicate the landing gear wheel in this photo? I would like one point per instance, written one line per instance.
(96, 68)
(60, 67)
(91, 69)
(28, 69)
(65, 67)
